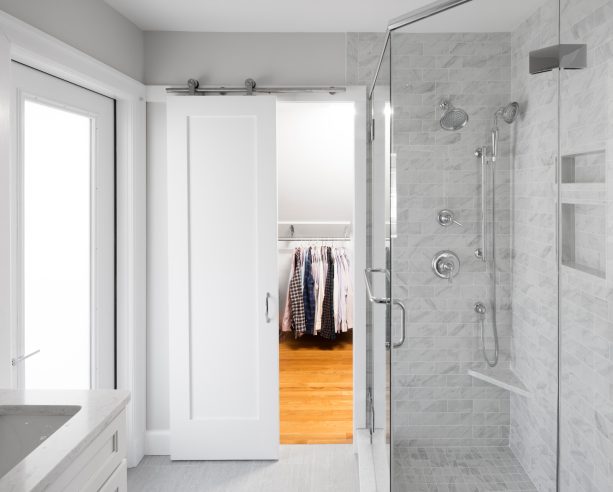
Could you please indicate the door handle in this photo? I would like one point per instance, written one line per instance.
(268, 318)
(21, 358)
(371, 298)
(403, 323)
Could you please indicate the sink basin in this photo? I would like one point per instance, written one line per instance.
(24, 427)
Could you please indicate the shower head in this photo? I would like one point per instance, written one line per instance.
(453, 118)
(508, 112)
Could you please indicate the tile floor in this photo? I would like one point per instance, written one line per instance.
(301, 468)
(333, 468)
(470, 469)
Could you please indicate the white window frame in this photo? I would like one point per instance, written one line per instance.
(25, 44)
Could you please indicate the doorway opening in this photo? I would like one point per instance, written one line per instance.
(316, 189)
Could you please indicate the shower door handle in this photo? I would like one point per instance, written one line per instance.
(371, 297)
(403, 323)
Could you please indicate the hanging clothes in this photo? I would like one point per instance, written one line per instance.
(296, 297)
(319, 300)
(286, 322)
(327, 317)
(308, 291)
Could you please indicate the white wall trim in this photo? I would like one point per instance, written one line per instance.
(157, 442)
(156, 93)
(39, 50)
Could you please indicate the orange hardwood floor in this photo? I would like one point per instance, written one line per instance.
(316, 390)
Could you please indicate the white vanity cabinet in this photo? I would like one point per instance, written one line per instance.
(101, 466)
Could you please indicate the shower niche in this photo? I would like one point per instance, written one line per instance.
(583, 214)
(584, 168)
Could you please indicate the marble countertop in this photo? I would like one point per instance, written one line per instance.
(43, 465)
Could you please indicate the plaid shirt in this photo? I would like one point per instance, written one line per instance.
(296, 298)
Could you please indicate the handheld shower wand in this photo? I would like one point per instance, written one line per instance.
(508, 113)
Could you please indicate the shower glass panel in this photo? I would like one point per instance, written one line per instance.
(586, 277)
(472, 239)
(380, 222)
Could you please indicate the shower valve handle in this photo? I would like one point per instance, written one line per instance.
(447, 217)
(446, 265)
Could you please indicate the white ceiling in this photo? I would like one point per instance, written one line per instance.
(316, 15)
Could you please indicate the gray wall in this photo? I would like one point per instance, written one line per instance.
(229, 58)
(88, 25)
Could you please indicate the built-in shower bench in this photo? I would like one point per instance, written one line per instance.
(503, 378)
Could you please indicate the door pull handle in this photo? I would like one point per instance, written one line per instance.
(268, 318)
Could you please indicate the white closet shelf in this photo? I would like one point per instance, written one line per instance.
(503, 378)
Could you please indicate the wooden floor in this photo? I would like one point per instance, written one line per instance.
(316, 390)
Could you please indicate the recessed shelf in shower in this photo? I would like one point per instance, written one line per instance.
(585, 167)
(583, 237)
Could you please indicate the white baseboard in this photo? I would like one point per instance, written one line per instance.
(157, 442)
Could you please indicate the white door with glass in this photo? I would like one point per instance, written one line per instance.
(63, 156)
(222, 227)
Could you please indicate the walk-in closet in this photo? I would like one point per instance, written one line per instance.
(315, 166)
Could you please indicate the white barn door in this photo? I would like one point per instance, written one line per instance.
(222, 216)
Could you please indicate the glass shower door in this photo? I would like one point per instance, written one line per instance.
(378, 275)
(472, 161)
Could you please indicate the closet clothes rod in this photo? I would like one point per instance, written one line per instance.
(314, 239)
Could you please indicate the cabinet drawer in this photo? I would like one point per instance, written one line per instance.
(118, 481)
(92, 468)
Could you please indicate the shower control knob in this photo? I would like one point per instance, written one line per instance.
(447, 218)
(480, 308)
(446, 265)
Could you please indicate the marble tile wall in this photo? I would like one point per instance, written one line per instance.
(534, 152)
(586, 110)
(435, 402)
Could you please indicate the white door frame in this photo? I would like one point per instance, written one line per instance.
(158, 440)
(28, 45)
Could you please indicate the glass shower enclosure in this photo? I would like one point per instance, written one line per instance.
(490, 331)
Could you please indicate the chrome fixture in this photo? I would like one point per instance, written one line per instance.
(564, 56)
(21, 358)
(248, 88)
(387, 300)
(446, 264)
(508, 113)
(481, 153)
(481, 311)
(453, 118)
(268, 318)
(446, 218)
